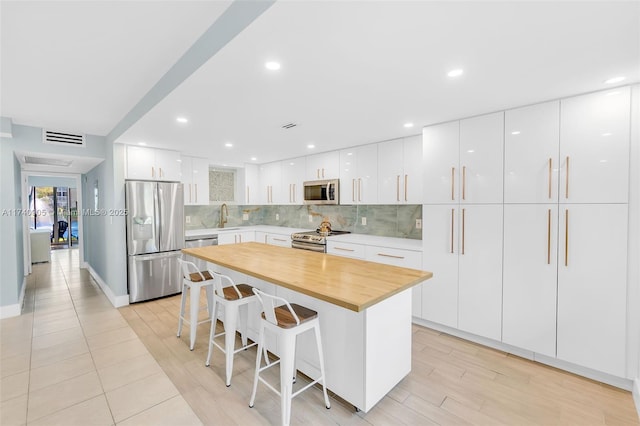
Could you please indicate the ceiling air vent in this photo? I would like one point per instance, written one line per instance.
(60, 138)
(47, 161)
(289, 126)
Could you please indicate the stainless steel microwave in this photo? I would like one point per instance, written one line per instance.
(322, 191)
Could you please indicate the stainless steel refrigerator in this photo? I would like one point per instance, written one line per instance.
(155, 236)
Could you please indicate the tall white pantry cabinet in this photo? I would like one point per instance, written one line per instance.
(563, 234)
(462, 233)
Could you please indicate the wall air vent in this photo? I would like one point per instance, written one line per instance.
(60, 138)
(47, 161)
(289, 126)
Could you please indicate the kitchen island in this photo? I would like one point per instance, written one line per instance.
(364, 309)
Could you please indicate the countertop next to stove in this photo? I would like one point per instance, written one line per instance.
(374, 240)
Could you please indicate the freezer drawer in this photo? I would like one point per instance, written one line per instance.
(154, 275)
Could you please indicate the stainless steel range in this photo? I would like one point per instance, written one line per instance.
(313, 240)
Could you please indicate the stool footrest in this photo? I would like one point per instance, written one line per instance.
(242, 348)
(269, 385)
(305, 388)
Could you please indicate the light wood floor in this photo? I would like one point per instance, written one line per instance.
(452, 382)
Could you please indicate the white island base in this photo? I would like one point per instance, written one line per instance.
(366, 353)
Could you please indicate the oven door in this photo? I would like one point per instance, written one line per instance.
(320, 248)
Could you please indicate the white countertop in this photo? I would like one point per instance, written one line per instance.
(372, 240)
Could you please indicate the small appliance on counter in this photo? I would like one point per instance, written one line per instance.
(155, 238)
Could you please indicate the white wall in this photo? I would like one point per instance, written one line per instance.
(634, 249)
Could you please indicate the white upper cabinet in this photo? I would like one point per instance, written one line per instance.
(359, 175)
(594, 147)
(251, 182)
(292, 176)
(399, 171)
(532, 137)
(153, 164)
(441, 158)
(323, 166)
(195, 177)
(412, 162)
(481, 164)
(269, 189)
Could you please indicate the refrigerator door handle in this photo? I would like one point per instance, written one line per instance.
(157, 215)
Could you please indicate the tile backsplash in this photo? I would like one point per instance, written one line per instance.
(383, 220)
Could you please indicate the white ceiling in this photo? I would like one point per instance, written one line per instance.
(353, 72)
(39, 162)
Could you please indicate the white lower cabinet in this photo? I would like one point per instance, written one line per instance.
(389, 256)
(530, 277)
(440, 256)
(462, 246)
(236, 237)
(480, 270)
(592, 286)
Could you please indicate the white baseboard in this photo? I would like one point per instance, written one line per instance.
(15, 309)
(116, 301)
(619, 382)
(636, 394)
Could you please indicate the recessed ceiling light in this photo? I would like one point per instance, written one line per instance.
(142, 143)
(179, 160)
(455, 73)
(408, 125)
(607, 134)
(612, 93)
(311, 146)
(228, 144)
(292, 164)
(471, 151)
(272, 65)
(517, 132)
(614, 80)
(253, 158)
(182, 120)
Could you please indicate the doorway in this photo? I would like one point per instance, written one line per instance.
(55, 208)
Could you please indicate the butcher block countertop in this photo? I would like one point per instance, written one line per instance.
(351, 283)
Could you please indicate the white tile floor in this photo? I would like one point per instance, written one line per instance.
(71, 359)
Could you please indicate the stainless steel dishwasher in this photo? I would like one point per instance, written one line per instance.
(200, 241)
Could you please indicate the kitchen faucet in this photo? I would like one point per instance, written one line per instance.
(223, 218)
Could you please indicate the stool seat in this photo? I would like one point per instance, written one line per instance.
(285, 318)
(231, 294)
(197, 277)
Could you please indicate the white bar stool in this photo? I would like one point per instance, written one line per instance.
(194, 280)
(287, 321)
(234, 298)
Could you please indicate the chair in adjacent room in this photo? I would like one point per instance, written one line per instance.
(235, 300)
(193, 281)
(287, 321)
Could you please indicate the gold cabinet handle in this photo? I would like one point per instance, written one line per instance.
(240, 237)
(452, 210)
(453, 173)
(248, 199)
(153, 172)
(267, 193)
(279, 239)
(462, 231)
(406, 177)
(343, 249)
(398, 187)
(464, 181)
(550, 175)
(189, 192)
(390, 255)
(359, 189)
(294, 192)
(323, 172)
(196, 191)
(161, 174)
(549, 237)
(566, 237)
(353, 189)
(566, 189)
